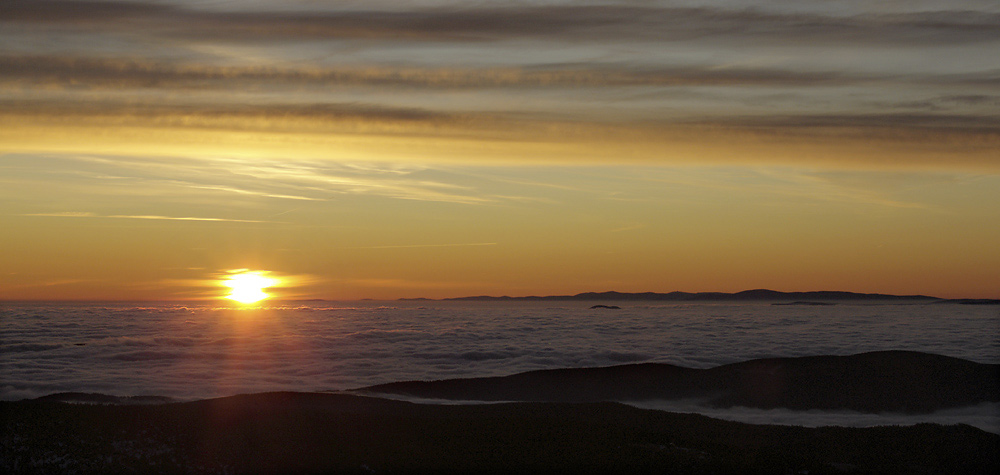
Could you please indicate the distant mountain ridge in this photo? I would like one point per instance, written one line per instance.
(746, 295)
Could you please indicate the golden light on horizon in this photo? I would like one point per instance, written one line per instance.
(247, 287)
(426, 165)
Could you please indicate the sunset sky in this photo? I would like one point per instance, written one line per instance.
(441, 148)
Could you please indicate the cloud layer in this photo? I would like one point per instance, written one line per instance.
(507, 76)
(202, 351)
(498, 21)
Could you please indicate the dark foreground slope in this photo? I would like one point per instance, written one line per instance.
(325, 433)
(884, 381)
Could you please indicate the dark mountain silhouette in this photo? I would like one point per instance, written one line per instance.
(897, 381)
(746, 295)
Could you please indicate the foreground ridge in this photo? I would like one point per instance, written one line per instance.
(882, 381)
(323, 433)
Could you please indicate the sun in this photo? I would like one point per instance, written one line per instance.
(248, 286)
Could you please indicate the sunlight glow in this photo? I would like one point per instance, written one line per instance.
(248, 286)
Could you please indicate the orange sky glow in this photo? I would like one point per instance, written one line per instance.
(382, 151)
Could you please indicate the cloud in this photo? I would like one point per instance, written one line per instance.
(77, 214)
(243, 116)
(407, 246)
(845, 140)
(365, 118)
(989, 124)
(53, 283)
(111, 73)
(207, 81)
(576, 22)
(984, 416)
(197, 351)
(233, 182)
(232, 189)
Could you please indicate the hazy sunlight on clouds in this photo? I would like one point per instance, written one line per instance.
(443, 148)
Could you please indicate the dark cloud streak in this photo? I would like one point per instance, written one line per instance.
(119, 72)
(193, 114)
(66, 71)
(576, 23)
(967, 131)
(965, 122)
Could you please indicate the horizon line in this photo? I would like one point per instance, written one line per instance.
(508, 297)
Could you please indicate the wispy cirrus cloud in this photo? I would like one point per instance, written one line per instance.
(233, 189)
(236, 182)
(415, 246)
(884, 189)
(85, 214)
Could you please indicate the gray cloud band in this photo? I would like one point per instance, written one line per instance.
(599, 23)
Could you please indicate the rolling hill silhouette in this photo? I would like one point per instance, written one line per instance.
(883, 381)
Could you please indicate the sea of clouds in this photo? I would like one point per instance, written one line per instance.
(197, 351)
(985, 416)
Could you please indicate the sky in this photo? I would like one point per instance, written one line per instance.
(440, 148)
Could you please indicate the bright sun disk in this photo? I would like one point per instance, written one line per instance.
(248, 286)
